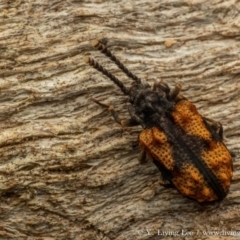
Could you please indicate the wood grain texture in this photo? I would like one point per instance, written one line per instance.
(68, 171)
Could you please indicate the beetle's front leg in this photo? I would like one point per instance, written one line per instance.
(124, 123)
(161, 86)
(175, 93)
(216, 130)
(214, 127)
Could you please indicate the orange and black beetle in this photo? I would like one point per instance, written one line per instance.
(186, 147)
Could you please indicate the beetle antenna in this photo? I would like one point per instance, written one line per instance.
(103, 49)
(104, 71)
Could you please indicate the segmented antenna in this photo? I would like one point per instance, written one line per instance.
(101, 69)
(102, 48)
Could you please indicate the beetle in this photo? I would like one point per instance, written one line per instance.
(186, 147)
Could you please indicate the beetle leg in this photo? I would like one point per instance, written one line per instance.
(215, 128)
(162, 86)
(124, 123)
(167, 185)
(133, 115)
(142, 157)
(166, 175)
(174, 93)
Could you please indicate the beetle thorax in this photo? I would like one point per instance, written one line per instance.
(148, 103)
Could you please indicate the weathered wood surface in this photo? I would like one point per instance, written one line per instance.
(68, 171)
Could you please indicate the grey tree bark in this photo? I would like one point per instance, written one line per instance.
(68, 171)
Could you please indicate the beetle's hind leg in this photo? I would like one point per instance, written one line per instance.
(142, 157)
(124, 123)
(166, 175)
